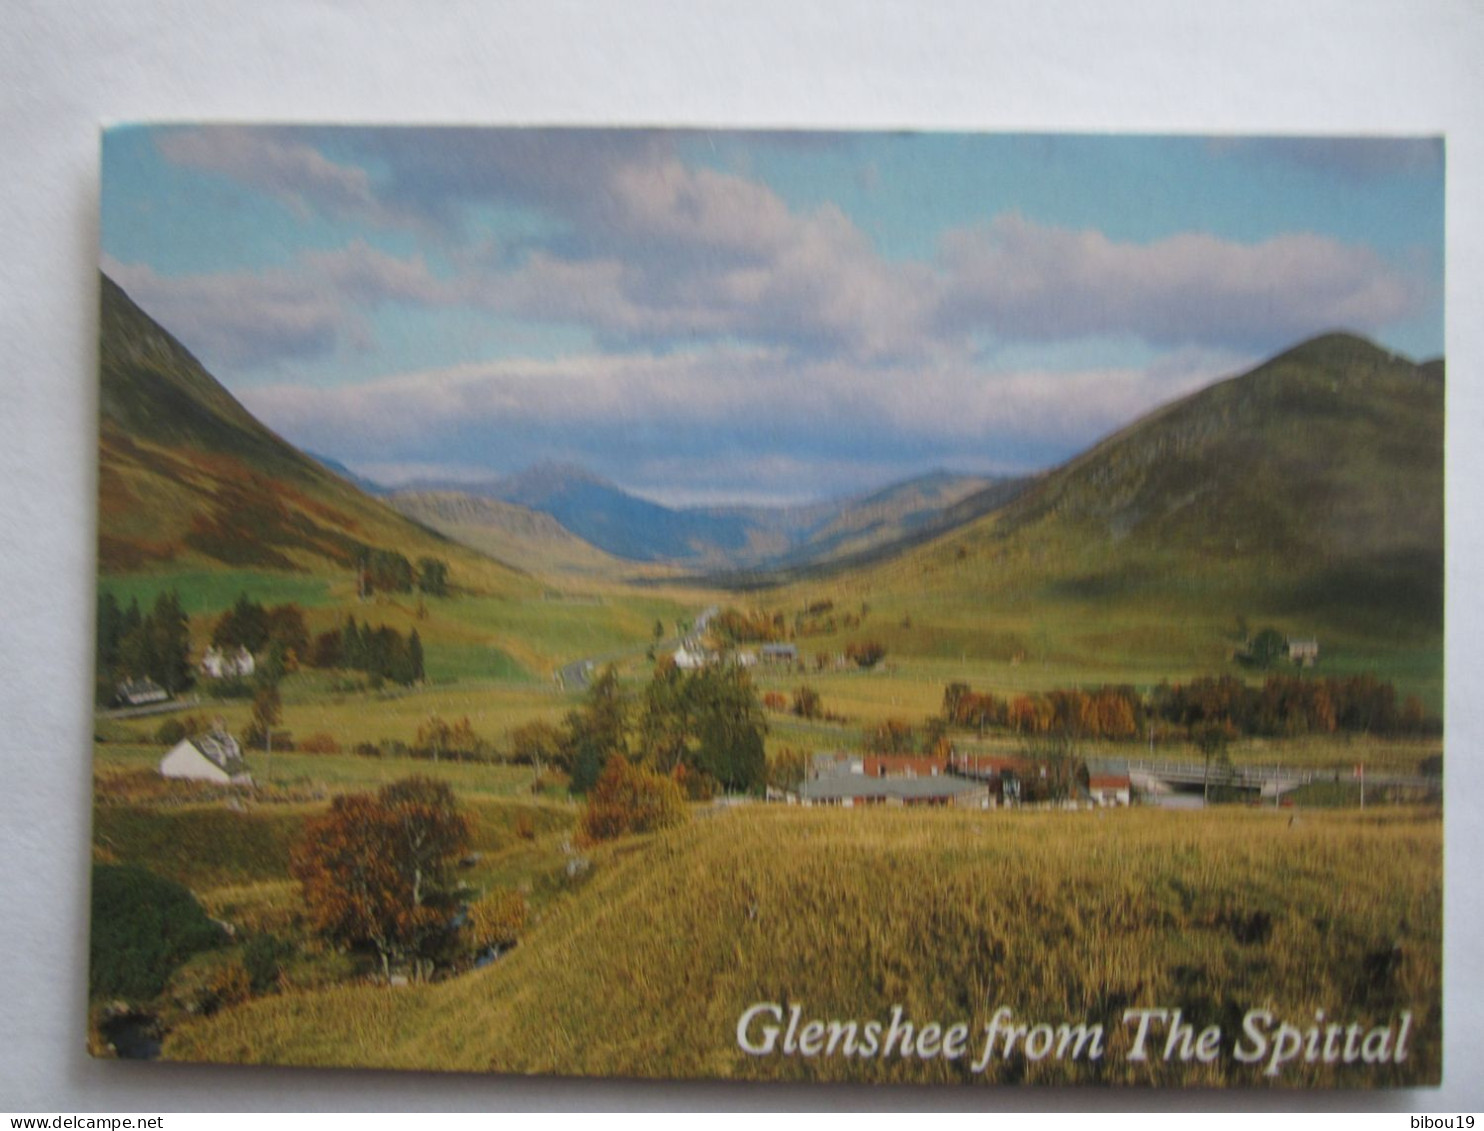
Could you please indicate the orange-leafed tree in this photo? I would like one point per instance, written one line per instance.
(496, 921)
(630, 799)
(377, 870)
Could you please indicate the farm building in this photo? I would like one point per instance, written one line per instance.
(1305, 653)
(140, 692)
(835, 762)
(904, 765)
(214, 757)
(850, 790)
(221, 665)
(1108, 789)
(689, 658)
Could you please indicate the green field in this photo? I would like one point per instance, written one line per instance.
(210, 591)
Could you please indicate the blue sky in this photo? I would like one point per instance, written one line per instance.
(753, 317)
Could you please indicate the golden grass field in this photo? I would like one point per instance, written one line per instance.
(643, 965)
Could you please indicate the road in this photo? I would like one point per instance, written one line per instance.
(575, 676)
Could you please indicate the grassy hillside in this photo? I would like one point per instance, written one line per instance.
(1307, 494)
(643, 964)
(189, 478)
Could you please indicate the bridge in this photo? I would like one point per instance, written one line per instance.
(1265, 781)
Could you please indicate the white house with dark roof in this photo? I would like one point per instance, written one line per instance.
(140, 692)
(690, 657)
(221, 664)
(213, 757)
(1304, 652)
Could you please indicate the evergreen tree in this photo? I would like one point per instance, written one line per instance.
(171, 632)
(352, 647)
(415, 657)
(244, 625)
(432, 577)
(709, 722)
(596, 730)
(108, 630)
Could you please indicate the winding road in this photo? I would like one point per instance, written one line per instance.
(575, 676)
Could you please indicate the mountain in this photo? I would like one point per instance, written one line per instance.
(187, 475)
(718, 538)
(1309, 489)
(622, 524)
(521, 537)
(360, 482)
(903, 514)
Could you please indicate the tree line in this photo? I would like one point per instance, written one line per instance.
(1283, 706)
(762, 626)
(703, 728)
(381, 652)
(387, 571)
(280, 636)
(134, 645)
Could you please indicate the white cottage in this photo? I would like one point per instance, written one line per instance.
(222, 665)
(214, 757)
(690, 658)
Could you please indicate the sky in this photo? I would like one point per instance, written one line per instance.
(753, 317)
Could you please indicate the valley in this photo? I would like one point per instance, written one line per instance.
(1099, 612)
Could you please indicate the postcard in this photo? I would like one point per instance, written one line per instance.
(771, 605)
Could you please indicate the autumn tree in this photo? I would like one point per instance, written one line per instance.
(267, 709)
(377, 870)
(934, 737)
(537, 744)
(953, 696)
(788, 768)
(892, 736)
(865, 653)
(806, 703)
(630, 799)
(496, 921)
(437, 738)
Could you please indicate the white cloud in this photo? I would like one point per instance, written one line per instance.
(293, 171)
(647, 250)
(1027, 280)
(726, 423)
(246, 319)
(251, 319)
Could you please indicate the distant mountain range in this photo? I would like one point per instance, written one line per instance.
(624, 526)
(1309, 489)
